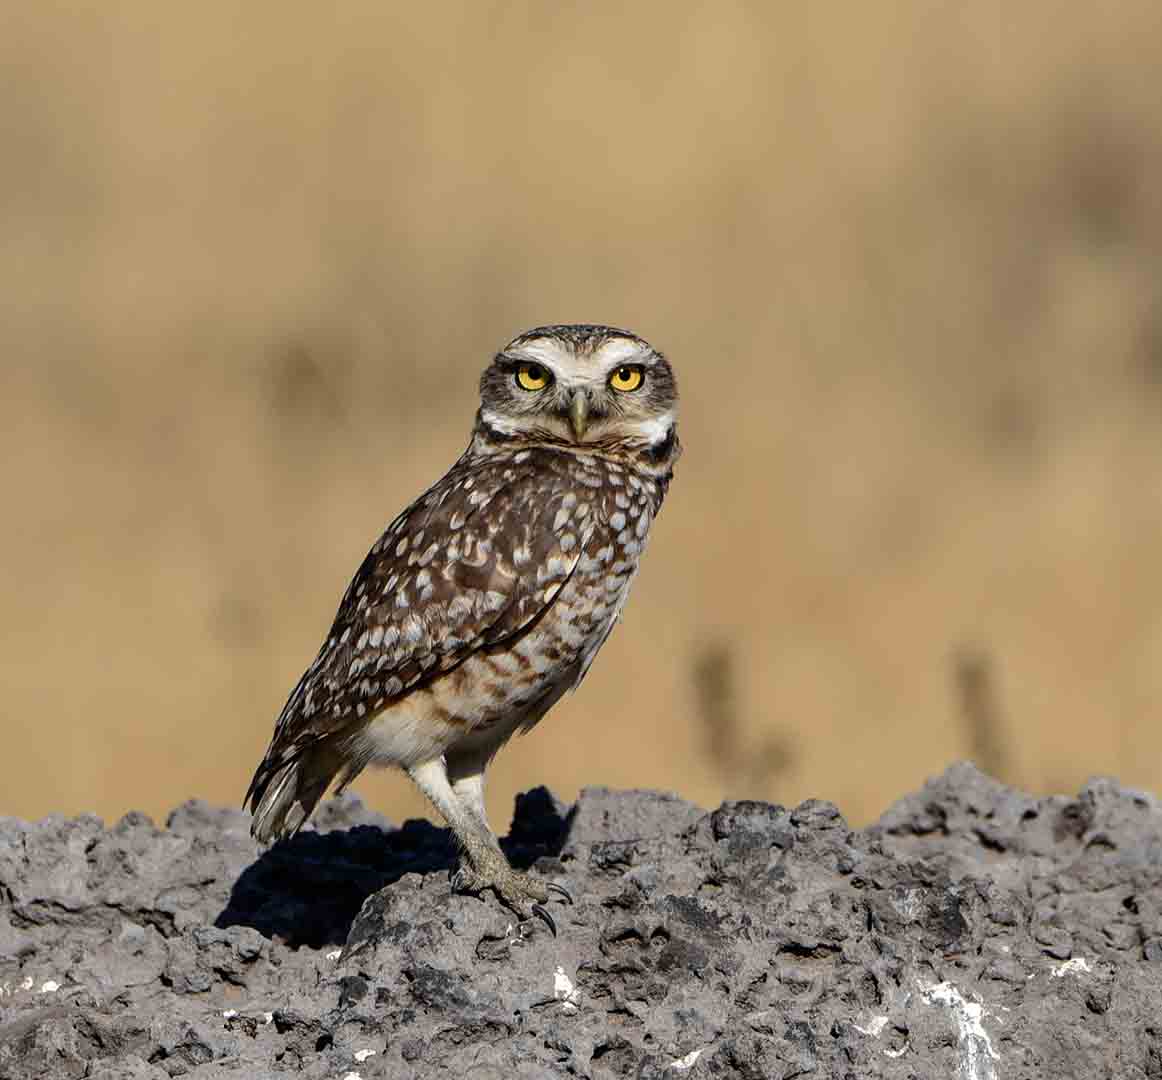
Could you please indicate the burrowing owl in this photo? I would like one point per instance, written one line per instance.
(489, 596)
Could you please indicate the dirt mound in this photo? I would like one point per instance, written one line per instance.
(974, 931)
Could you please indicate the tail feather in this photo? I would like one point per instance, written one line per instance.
(283, 795)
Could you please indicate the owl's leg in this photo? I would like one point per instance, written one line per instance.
(460, 799)
(466, 775)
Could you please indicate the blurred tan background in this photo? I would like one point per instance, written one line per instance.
(907, 260)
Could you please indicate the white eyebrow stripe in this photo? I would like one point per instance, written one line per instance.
(618, 351)
(543, 351)
(567, 369)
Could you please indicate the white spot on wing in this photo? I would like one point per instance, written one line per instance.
(412, 629)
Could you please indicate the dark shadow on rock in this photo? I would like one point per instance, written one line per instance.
(539, 830)
(307, 890)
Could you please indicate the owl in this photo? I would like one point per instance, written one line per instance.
(489, 596)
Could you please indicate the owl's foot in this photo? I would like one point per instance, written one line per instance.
(521, 893)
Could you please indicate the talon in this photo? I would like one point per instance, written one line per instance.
(561, 891)
(542, 913)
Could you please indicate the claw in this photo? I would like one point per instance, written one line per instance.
(540, 912)
(561, 891)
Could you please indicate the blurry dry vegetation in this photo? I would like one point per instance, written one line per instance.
(907, 260)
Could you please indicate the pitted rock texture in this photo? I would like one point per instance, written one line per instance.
(973, 932)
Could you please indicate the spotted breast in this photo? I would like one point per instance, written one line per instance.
(592, 536)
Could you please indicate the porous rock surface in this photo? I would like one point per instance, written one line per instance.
(974, 931)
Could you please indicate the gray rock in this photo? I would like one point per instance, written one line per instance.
(974, 931)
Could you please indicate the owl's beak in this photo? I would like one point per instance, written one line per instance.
(579, 414)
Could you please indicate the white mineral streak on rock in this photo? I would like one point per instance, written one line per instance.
(1077, 966)
(874, 1026)
(49, 986)
(334, 954)
(362, 1055)
(684, 1063)
(874, 1029)
(229, 1014)
(977, 1054)
(564, 990)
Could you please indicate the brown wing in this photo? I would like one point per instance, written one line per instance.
(475, 560)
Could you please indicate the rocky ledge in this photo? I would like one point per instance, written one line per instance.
(974, 931)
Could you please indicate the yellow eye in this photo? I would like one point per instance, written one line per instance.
(626, 378)
(532, 377)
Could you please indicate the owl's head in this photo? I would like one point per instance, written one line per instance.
(589, 387)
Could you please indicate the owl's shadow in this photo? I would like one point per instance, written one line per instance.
(307, 890)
